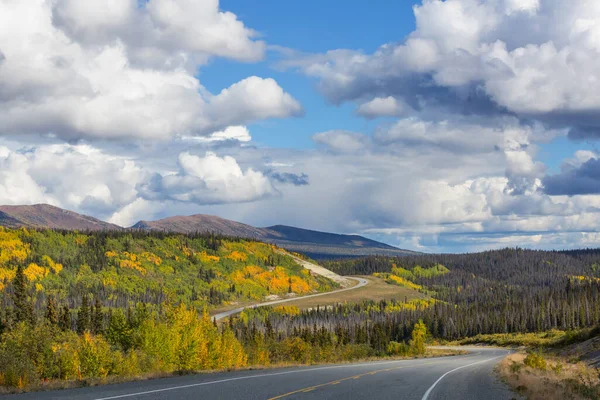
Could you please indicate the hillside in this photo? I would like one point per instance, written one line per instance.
(202, 223)
(125, 268)
(320, 245)
(47, 216)
(315, 244)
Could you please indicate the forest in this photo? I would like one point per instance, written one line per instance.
(80, 305)
(122, 269)
(95, 306)
(502, 291)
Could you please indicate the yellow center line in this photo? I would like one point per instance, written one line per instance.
(338, 381)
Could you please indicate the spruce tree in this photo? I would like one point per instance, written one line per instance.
(97, 318)
(23, 307)
(83, 316)
(65, 318)
(51, 311)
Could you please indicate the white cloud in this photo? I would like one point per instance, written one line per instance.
(160, 27)
(382, 107)
(534, 59)
(342, 141)
(77, 71)
(238, 133)
(260, 98)
(77, 177)
(208, 180)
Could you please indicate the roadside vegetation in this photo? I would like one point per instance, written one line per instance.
(549, 376)
(551, 339)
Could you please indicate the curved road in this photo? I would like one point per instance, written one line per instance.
(361, 282)
(464, 377)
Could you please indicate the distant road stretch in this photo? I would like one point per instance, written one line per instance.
(463, 377)
(361, 282)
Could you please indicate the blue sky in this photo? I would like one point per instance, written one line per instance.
(455, 125)
(296, 25)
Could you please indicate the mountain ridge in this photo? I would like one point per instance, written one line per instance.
(316, 244)
(48, 216)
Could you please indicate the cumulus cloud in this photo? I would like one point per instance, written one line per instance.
(159, 27)
(579, 176)
(85, 71)
(342, 141)
(457, 135)
(536, 59)
(208, 180)
(77, 177)
(121, 188)
(382, 107)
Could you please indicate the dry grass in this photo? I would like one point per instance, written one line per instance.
(560, 380)
(377, 289)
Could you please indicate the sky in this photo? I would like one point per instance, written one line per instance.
(436, 126)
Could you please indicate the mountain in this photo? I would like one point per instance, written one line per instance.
(202, 223)
(327, 245)
(312, 243)
(315, 244)
(47, 216)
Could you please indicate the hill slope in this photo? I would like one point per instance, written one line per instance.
(312, 243)
(47, 216)
(327, 245)
(202, 223)
(315, 244)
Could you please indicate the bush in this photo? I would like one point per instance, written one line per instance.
(535, 360)
(94, 356)
(398, 349)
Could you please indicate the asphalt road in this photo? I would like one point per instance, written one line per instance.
(462, 377)
(361, 282)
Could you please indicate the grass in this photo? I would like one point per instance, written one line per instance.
(553, 379)
(554, 365)
(377, 289)
(549, 339)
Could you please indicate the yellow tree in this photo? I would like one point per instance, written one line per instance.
(419, 334)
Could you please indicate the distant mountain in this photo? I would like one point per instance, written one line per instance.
(312, 243)
(202, 223)
(315, 244)
(47, 216)
(327, 245)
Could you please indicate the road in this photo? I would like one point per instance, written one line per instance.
(361, 282)
(464, 377)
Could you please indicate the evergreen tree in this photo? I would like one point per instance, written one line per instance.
(119, 332)
(83, 316)
(23, 307)
(97, 318)
(65, 318)
(51, 311)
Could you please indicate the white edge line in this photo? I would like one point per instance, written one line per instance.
(428, 392)
(121, 396)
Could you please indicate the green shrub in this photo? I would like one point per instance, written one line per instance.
(398, 349)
